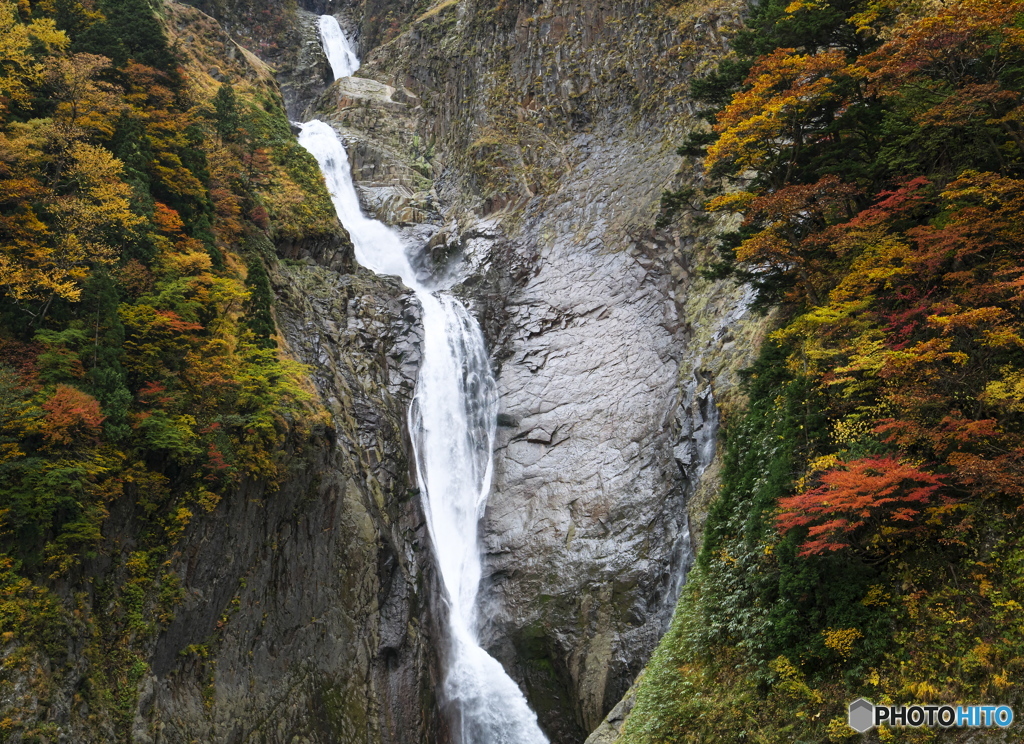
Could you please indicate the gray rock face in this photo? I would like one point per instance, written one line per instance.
(607, 373)
(587, 505)
(332, 251)
(304, 71)
(378, 124)
(523, 136)
(608, 731)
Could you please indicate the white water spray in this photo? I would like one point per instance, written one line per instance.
(452, 420)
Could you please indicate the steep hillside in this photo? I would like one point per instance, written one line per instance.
(530, 145)
(867, 540)
(791, 227)
(202, 539)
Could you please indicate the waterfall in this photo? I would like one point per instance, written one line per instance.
(452, 420)
(339, 50)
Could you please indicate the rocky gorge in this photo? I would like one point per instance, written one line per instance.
(523, 145)
(616, 372)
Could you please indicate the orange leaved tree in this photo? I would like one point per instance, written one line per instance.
(868, 505)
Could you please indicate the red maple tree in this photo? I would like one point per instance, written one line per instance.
(861, 504)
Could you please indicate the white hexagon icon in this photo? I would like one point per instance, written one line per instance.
(862, 715)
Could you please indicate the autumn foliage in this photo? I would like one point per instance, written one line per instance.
(139, 373)
(124, 303)
(880, 184)
(868, 539)
(70, 415)
(879, 496)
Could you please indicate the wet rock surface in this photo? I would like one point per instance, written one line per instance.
(302, 69)
(378, 124)
(607, 377)
(587, 503)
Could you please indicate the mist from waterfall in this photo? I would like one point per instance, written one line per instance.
(452, 420)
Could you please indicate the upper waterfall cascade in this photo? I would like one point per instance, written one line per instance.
(452, 420)
(339, 50)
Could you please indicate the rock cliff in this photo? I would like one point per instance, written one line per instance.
(305, 609)
(528, 146)
(549, 132)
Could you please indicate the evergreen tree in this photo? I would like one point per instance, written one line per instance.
(227, 118)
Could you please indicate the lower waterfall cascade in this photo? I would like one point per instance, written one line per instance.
(452, 421)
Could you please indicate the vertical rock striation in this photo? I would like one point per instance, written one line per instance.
(306, 608)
